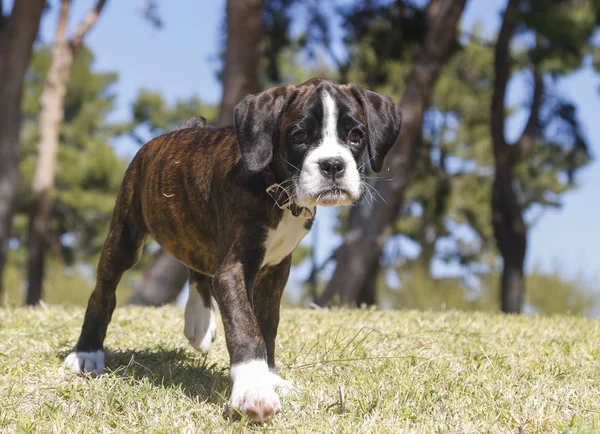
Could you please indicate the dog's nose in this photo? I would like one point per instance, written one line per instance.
(332, 167)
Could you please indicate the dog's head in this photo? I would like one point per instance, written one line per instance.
(316, 135)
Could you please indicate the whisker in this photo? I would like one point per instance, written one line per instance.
(369, 196)
(370, 178)
(371, 189)
(374, 178)
(365, 163)
(374, 190)
(291, 164)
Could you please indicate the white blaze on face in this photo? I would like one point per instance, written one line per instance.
(330, 115)
(313, 184)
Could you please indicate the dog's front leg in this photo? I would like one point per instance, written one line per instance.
(253, 392)
(266, 303)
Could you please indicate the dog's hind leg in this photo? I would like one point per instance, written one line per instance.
(121, 251)
(200, 324)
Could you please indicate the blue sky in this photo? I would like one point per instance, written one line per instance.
(179, 61)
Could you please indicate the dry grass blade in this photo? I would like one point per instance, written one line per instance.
(353, 371)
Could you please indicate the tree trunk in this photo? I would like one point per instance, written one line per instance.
(242, 57)
(17, 35)
(368, 292)
(51, 117)
(166, 275)
(363, 244)
(161, 283)
(511, 237)
(510, 230)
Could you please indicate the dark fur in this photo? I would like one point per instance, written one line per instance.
(200, 194)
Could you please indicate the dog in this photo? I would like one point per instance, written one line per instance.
(232, 204)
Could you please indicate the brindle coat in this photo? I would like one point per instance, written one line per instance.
(200, 192)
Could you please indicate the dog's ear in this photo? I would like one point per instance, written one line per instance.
(256, 120)
(383, 123)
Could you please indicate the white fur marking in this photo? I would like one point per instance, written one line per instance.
(284, 386)
(330, 136)
(312, 181)
(81, 362)
(282, 240)
(200, 324)
(253, 392)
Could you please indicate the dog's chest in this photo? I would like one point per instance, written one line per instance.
(282, 240)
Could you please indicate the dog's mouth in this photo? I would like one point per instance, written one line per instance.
(334, 196)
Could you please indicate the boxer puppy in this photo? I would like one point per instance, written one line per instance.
(232, 204)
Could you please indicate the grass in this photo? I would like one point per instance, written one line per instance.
(401, 371)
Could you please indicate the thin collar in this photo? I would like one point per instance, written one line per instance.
(282, 198)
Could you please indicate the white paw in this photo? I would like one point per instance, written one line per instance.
(284, 386)
(82, 362)
(200, 323)
(253, 393)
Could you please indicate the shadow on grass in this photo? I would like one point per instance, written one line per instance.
(170, 368)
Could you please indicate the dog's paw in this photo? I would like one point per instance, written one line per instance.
(284, 386)
(84, 362)
(200, 323)
(253, 393)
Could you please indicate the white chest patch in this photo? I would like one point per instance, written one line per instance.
(282, 240)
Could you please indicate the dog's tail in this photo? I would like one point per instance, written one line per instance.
(195, 122)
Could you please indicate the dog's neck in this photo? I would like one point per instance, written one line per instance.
(282, 198)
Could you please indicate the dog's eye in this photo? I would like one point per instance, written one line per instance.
(299, 137)
(355, 136)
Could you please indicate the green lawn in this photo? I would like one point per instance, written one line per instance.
(401, 371)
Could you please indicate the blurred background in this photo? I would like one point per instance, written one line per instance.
(489, 200)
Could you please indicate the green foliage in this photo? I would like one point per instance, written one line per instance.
(550, 294)
(88, 171)
(448, 200)
(381, 37)
(418, 290)
(293, 58)
(547, 294)
(564, 28)
(63, 285)
(453, 175)
(276, 21)
(447, 208)
(447, 212)
(152, 113)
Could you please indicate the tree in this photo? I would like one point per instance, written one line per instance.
(364, 242)
(382, 38)
(51, 116)
(561, 33)
(443, 210)
(165, 277)
(242, 55)
(17, 34)
(88, 172)
(509, 226)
